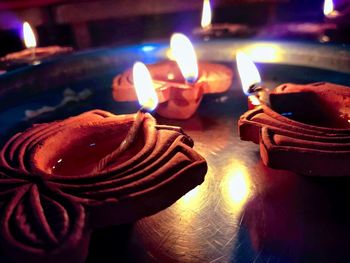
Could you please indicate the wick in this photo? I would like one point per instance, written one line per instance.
(261, 91)
(125, 144)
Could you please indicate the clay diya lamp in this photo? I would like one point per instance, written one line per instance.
(32, 55)
(223, 30)
(180, 85)
(339, 17)
(302, 128)
(307, 30)
(304, 30)
(61, 180)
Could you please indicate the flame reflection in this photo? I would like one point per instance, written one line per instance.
(263, 52)
(236, 186)
(192, 203)
(191, 199)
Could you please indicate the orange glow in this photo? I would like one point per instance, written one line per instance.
(254, 100)
(143, 83)
(247, 70)
(29, 36)
(185, 56)
(191, 199)
(236, 186)
(264, 52)
(206, 14)
(192, 203)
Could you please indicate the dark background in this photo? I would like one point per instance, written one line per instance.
(85, 24)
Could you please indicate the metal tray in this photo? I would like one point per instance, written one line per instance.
(244, 211)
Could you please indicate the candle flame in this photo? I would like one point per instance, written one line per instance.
(29, 36)
(328, 7)
(143, 83)
(247, 70)
(185, 56)
(206, 14)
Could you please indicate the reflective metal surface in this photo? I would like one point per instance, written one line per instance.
(244, 211)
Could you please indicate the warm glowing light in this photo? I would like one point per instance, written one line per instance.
(185, 56)
(236, 186)
(263, 52)
(191, 198)
(29, 36)
(254, 100)
(247, 70)
(206, 14)
(143, 84)
(328, 7)
(191, 203)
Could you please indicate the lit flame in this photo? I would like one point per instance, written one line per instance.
(328, 7)
(29, 36)
(206, 14)
(247, 70)
(185, 56)
(143, 84)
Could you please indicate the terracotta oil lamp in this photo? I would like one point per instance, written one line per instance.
(339, 17)
(319, 31)
(302, 128)
(223, 30)
(32, 55)
(61, 180)
(180, 85)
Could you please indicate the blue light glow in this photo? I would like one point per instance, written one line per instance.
(287, 114)
(148, 48)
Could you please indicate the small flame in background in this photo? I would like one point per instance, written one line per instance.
(143, 84)
(185, 56)
(248, 72)
(28, 36)
(328, 7)
(206, 14)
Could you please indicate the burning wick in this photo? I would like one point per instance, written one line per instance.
(29, 38)
(251, 80)
(148, 100)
